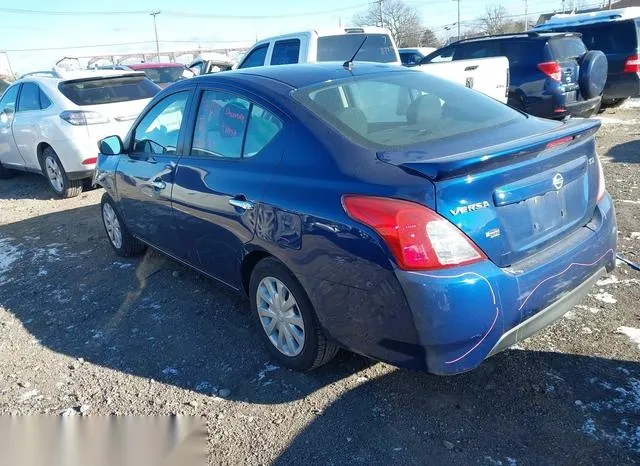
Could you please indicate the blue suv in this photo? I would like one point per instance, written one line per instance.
(615, 33)
(552, 74)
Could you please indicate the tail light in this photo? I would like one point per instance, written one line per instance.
(632, 65)
(418, 238)
(601, 186)
(83, 117)
(551, 69)
(90, 161)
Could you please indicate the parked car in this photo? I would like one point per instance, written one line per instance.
(210, 63)
(616, 33)
(323, 45)
(163, 74)
(51, 125)
(412, 56)
(552, 74)
(370, 207)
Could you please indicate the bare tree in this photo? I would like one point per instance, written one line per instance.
(429, 39)
(494, 19)
(401, 19)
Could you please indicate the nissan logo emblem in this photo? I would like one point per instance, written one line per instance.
(558, 181)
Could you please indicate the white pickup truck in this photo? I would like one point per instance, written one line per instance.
(487, 75)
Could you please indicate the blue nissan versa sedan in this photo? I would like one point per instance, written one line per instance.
(371, 207)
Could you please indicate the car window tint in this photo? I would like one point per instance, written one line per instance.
(8, 102)
(444, 55)
(609, 39)
(263, 127)
(377, 48)
(417, 108)
(285, 52)
(256, 57)
(480, 49)
(220, 125)
(523, 52)
(567, 47)
(29, 98)
(410, 58)
(99, 91)
(158, 131)
(45, 102)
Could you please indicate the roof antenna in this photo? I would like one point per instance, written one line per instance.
(348, 65)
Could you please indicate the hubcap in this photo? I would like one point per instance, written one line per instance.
(112, 225)
(280, 316)
(54, 173)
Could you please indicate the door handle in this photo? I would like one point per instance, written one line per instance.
(159, 184)
(241, 203)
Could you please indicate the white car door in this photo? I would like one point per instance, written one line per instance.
(29, 121)
(9, 154)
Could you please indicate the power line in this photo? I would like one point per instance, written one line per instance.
(120, 44)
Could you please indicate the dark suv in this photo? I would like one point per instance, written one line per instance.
(618, 38)
(552, 74)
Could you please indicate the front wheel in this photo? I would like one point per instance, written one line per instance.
(58, 180)
(122, 242)
(290, 328)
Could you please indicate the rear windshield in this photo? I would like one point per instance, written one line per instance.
(377, 48)
(166, 75)
(567, 47)
(613, 37)
(108, 90)
(400, 109)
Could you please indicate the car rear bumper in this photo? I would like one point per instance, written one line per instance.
(621, 86)
(582, 108)
(73, 152)
(464, 315)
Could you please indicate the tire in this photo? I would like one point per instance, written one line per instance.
(593, 74)
(315, 349)
(613, 103)
(122, 242)
(59, 182)
(5, 173)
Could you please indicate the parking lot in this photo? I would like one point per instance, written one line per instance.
(85, 332)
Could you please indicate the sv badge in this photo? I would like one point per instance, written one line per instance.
(469, 208)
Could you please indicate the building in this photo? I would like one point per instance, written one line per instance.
(615, 4)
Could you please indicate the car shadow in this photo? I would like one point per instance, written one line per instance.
(627, 152)
(23, 185)
(151, 317)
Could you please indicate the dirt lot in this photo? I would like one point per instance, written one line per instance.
(84, 331)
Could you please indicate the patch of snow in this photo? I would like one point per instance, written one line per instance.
(635, 234)
(203, 386)
(26, 396)
(170, 371)
(8, 255)
(42, 272)
(268, 367)
(607, 281)
(123, 265)
(511, 461)
(593, 310)
(628, 201)
(606, 121)
(605, 298)
(570, 315)
(630, 104)
(632, 333)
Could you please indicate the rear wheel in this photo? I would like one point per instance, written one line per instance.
(290, 327)
(58, 180)
(123, 242)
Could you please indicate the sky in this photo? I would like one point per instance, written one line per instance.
(125, 21)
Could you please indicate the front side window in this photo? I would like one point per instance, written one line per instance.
(403, 109)
(256, 57)
(232, 127)
(8, 102)
(410, 58)
(29, 98)
(285, 52)
(158, 131)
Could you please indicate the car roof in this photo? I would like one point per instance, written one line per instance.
(533, 35)
(325, 32)
(306, 74)
(595, 17)
(151, 65)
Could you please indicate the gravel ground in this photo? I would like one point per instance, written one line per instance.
(85, 332)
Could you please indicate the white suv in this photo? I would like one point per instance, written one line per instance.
(323, 45)
(51, 124)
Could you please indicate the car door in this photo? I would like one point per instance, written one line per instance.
(145, 176)
(234, 150)
(285, 52)
(9, 154)
(28, 122)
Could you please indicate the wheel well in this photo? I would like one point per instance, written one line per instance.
(248, 264)
(40, 149)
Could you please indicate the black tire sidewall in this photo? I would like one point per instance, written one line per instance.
(49, 152)
(270, 267)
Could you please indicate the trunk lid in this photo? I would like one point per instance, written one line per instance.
(121, 116)
(567, 50)
(514, 191)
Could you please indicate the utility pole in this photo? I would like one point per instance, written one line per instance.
(155, 29)
(9, 65)
(380, 12)
(609, 4)
(563, 6)
(458, 18)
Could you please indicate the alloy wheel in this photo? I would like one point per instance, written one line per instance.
(112, 224)
(54, 173)
(280, 316)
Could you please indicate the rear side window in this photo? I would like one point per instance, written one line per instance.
(256, 57)
(403, 109)
(523, 52)
(166, 75)
(29, 98)
(377, 48)
(45, 102)
(232, 127)
(480, 49)
(108, 90)
(285, 52)
(564, 48)
(609, 39)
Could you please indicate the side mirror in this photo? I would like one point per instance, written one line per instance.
(6, 115)
(111, 145)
